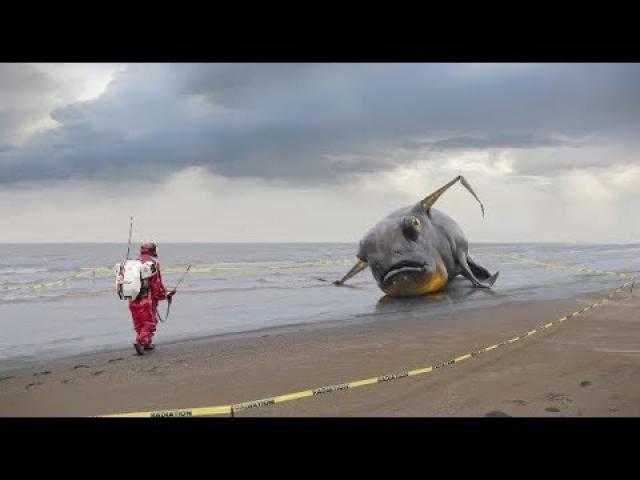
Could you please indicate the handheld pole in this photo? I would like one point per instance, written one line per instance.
(166, 317)
(183, 275)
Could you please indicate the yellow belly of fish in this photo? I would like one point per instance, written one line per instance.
(437, 281)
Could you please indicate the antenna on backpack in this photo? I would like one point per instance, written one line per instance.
(121, 267)
(129, 244)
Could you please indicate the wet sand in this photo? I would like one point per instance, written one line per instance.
(587, 366)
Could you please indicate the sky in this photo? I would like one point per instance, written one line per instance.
(278, 152)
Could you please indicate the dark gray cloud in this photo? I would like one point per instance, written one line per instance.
(320, 121)
(23, 92)
(505, 140)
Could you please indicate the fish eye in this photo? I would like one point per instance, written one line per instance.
(411, 227)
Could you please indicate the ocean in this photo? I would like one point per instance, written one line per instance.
(59, 300)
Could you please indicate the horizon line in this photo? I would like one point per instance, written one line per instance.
(308, 242)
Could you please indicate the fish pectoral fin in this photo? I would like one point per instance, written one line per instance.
(478, 270)
(357, 268)
(488, 283)
(492, 279)
(469, 274)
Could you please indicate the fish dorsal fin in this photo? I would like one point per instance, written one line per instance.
(428, 202)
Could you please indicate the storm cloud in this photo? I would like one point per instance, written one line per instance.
(316, 152)
(319, 122)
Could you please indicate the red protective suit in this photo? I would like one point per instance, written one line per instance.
(143, 308)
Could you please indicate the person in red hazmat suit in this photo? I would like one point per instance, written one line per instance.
(143, 308)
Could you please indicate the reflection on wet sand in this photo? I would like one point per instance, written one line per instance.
(456, 291)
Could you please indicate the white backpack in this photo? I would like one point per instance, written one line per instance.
(129, 276)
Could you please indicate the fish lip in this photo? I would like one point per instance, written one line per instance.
(405, 266)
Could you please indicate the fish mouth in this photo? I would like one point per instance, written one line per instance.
(410, 279)
(406, 267)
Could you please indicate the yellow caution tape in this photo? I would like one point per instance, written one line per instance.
(532, 261)
(195, 269)
(37, 286)
(231, 409)
(283, 266)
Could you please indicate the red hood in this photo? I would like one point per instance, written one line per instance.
(148, 250)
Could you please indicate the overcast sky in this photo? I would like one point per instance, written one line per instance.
(316, 152)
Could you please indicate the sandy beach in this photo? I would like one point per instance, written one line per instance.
(587, 366)
(326, 239)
